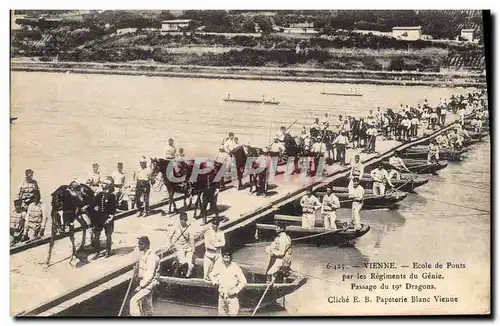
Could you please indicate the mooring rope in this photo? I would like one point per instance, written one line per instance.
(453, 204)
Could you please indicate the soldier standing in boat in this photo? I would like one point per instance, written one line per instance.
(36, 219)
(280, 256)
(214, 242)
(357, 193)
(380, 178)
(27, 190)
(170, 150)
(231, 280)
(329, 207)
(143, 187)
(148, 270)
(397, 166)
(433, 155)
(184, 244)
(94, 178)
(310, 204)
(103, 215)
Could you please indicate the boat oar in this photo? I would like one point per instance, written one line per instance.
(262, 298)
(128, 289)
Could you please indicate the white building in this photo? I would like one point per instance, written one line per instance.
(174, 25)
(410, 33)
(467, 34)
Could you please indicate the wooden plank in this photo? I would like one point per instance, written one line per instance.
(287, 218)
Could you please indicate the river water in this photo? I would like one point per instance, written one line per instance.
(68, 121)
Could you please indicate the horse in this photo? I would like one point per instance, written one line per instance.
(241, 154)
(184, 169)
(181, 169)
(70, 204)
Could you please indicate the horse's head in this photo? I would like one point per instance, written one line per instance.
(86, 193)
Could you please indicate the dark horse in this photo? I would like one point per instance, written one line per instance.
(240, 155)
(70, 204)
(183, 169)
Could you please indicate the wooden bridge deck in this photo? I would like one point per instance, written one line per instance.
(36, 290)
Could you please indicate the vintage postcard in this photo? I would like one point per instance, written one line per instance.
(250, 163)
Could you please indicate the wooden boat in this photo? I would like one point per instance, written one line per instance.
(341, 94)
(370, 200)
(419, 166)
(318, 235)
(407, 183)
(198, 292)
(422, 152)
(251, 101)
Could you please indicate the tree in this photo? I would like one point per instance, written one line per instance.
(265, 23)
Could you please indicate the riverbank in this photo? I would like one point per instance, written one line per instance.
(413, 78)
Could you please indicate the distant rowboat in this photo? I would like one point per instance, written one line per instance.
(341, 94)
(12, 119)
(250, 101)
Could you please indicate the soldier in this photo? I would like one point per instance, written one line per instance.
(380, 177)
(118, 182)
(280, 255)
(148, 270)
(341, 142)
(36, 219)
(94, 178)
(357, 193)
(209, 196)
(28, 189)
(214, 242)
(433, 155)
(170, 150)
(16, 222)
(328, 207)
(103, 215)
(143, 187)
(357, 168)
(310, 204)
(231, 280)
(229, 144)
(183, 240)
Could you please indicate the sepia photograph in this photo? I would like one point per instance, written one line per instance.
(250, 163)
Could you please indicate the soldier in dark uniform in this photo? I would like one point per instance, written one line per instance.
(103, 215)
(209, 196)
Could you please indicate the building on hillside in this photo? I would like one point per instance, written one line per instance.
(410, 33)
(426, 37)
(175, 25)
(467, 34)
(128, 30)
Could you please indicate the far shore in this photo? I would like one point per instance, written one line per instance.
(297, 74)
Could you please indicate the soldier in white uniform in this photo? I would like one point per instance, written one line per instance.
(231, 280)
(357, 168)
(118, 182)
(148, 271)
(357, 193)
(170, 150)
(280, 255)
(28, 190)
(94, 178)
(397, 165)
(183, 240)
(328, 208)
(229, 144)
(214, 242)
(380, 178)
(310, 204)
